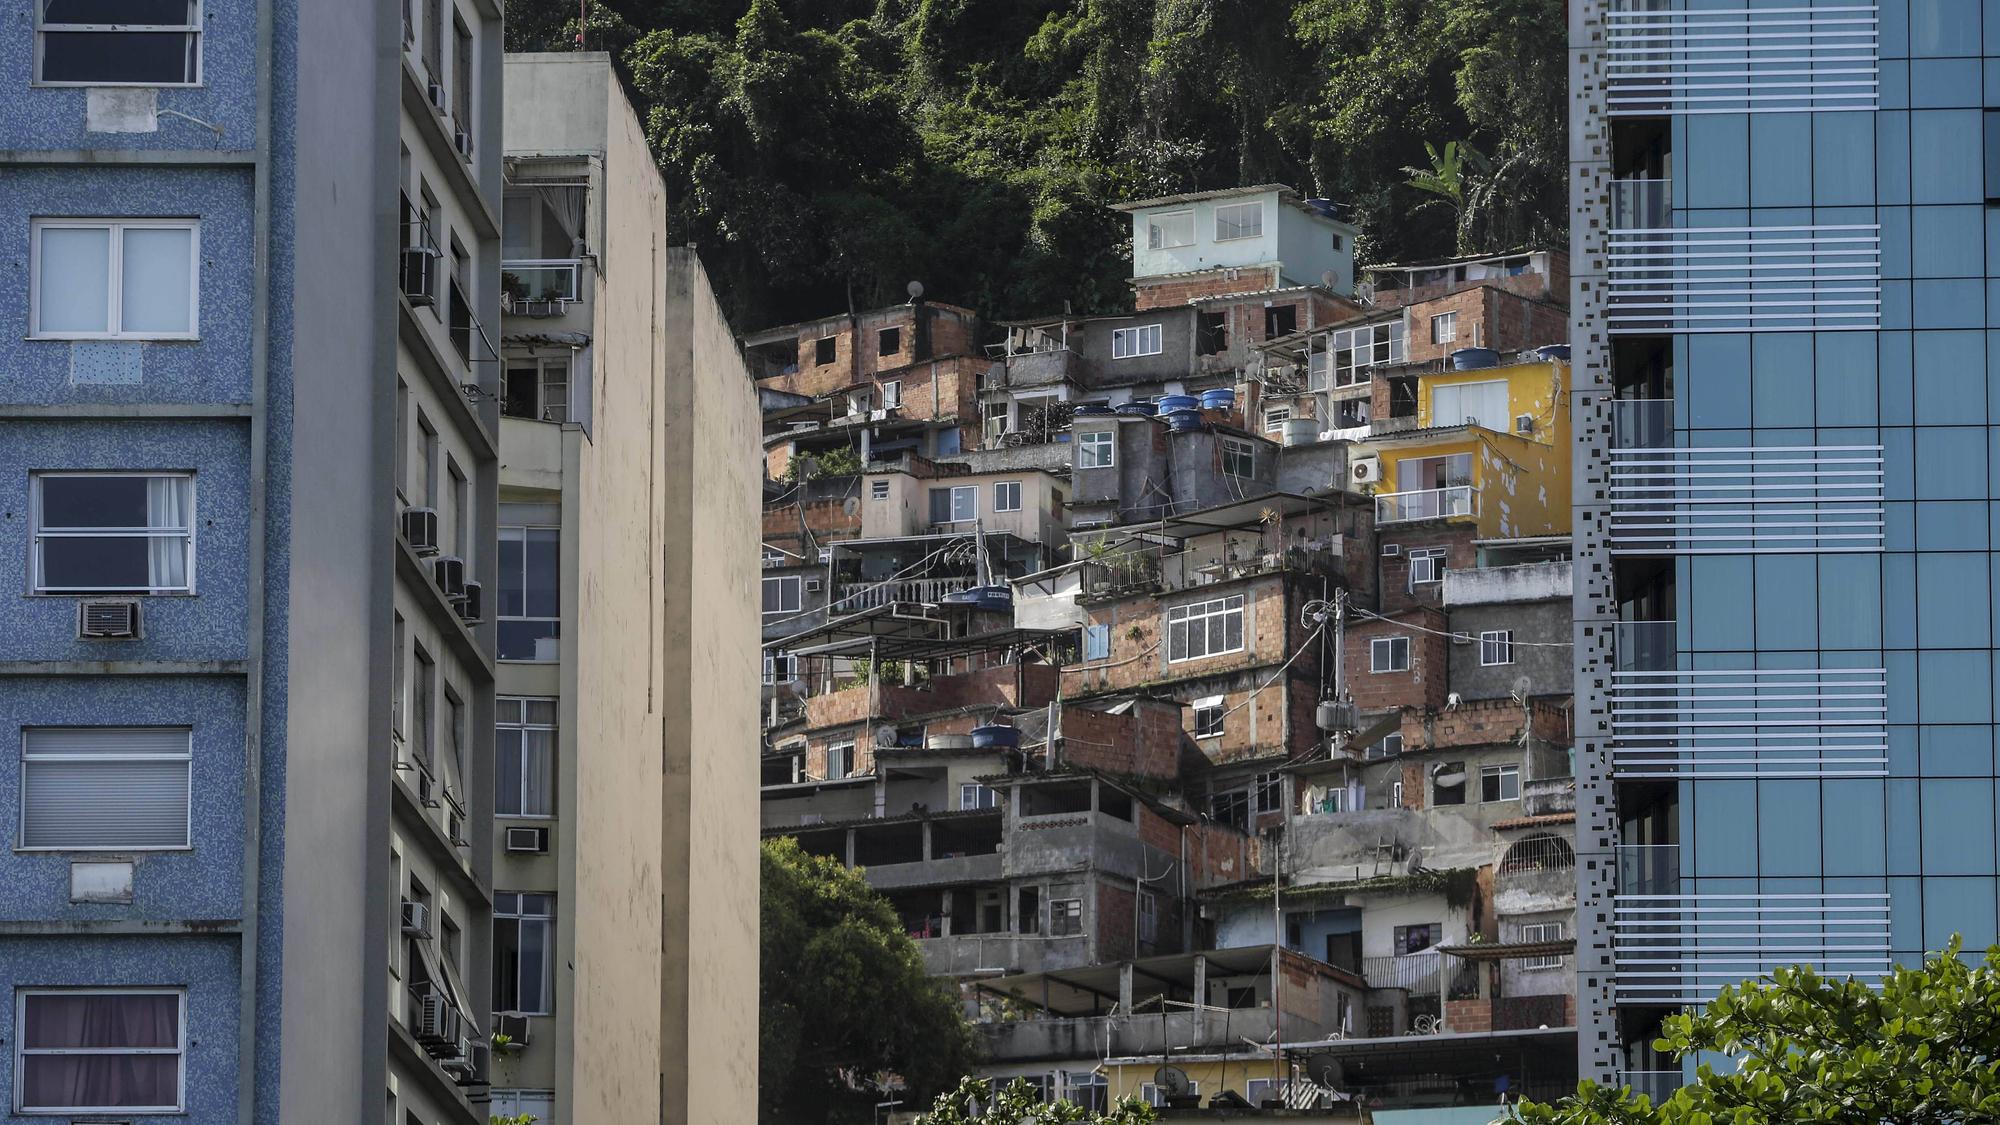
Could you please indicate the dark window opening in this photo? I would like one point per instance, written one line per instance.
(1030, 911)
(1049, 800)
(1245, 997)
(1211, 333)
(1280, 320)
(823, 351)
(888, 342)
(1402, 398)
(1993, 156)
(1448, 784)
(1111, 802)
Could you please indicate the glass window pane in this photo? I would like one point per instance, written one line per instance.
(99, 1081)
(91, 1019)
(152, 58)
(513, 595)
(93, 502)
(168, 13)
(74, 283)
(156, 283)
(544, 543)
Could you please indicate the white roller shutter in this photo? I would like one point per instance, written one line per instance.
(105, 788)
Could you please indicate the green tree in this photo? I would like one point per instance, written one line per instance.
(844, 999)
(973, 1102)
(1923, 1049)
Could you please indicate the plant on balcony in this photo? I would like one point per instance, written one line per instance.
(1919, 1050)
(974, 1102)
(512, 285)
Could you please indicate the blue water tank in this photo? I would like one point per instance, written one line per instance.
(1171, 403)
(1092, 410)
(1184, 421)
(998, 598)
(1219, 398)
(995, 738)
(1136, 409)
(1472, 359)
(1548, 352)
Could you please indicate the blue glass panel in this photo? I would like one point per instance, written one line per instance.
(1717, 380)
(1850, 601)
(1946, 164)
(1957, 906)
(1787, 600)
(1722, 603)
(1951, 525)
(1844, 383)
(1725, 825)
(1948, 241)
(1944, 83)
(1892, 156)
(1788, 827)
(1780, 145)
(1905, 845)
(1858, 845)
(1955, 686)
(1942, 304)
(1843, 158)
(1950, 373)
(1896, 252)
(1955, 751)
(1951, 462)
(1943, 27)
(1781, 376)
(1718, 160)
(1952, 600)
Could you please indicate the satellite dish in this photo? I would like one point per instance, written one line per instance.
(916, 290)
(1326, 1071)
(885, 735)
(1329, 279)
(1173, 1080)
(851, 505)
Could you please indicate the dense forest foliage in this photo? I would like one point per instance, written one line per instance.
(823, 153)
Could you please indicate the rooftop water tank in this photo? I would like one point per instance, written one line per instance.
(1092, 410)
(995, 738)
(1472, 359)
(1218, 398)
(1170, 403)
(1548, 352)
(1184, 421)
(1137, 408)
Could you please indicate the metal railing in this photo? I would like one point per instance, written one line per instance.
(1426, 504)
(1417, 972)
(540, 279)
(868, 595)
(1642, 423)
(1649, 869)
(1641, 204)
(1539, 853)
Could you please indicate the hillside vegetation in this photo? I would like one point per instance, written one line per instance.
(823, 153)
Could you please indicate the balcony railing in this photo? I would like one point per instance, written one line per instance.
(1782, 278)
(540, 279)
(1750, 722)
(1676, 950)
(1754, 499)
(1649, 869)
(1641, 204)
(1662, 59)
(1426, 504)
(1417, 972)
(867, 595)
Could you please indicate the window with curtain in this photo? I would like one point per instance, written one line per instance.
(954, 505)
(92, 1050)
(1479, 404)
(525, 757)
(1239, 220)
(524, 928)
(530, 600)
(114, 279)
(105, 788)
(118, 42)
(109, 533)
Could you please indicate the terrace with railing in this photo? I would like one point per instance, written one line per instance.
(1454, 502)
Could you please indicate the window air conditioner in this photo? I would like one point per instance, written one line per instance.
(1366, 470)
(454, 830)
(416, 919)
(426, 789)
(437, 95)
(450, 573)
(1524, 423)
(462, 141)
(418, 262)
(472, 606)
(107, 620)
(528, 841)
(513, 1025)
(420, 530)
(436, 1020)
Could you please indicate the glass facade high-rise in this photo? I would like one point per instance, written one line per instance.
(1787, 404)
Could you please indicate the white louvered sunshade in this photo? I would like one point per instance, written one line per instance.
(103, 788)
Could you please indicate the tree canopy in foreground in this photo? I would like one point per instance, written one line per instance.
(975, 1103)
(1923, 1049)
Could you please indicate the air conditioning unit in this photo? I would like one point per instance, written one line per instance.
(426, 789)
(107, 620)
(513, 1025)
(437, 95)
(472, 603)
(436, 1021)
(416, 919)
(527, 841)
(472, 1067)
(418, 262)
(1365, 470)
(1524, 423)
(462, 141)
(1391, 550)
(420, 530)
(454, 830)
(450, 573)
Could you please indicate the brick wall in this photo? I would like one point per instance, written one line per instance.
(1115, 921)
(1395, 592)
(857, 355)
(1468, 1015)
(1490, 315)
(1216, 853)
(1423, 685)
(1179, 290)
(1145, 742)
(939, 388)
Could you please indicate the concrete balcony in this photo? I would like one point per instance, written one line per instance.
(1041, 369)
(1459, 501)
(940, 871)
(1145, 1035)
(1494, 585)
(989, 954)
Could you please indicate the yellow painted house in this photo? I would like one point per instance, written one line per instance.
(1488, 446)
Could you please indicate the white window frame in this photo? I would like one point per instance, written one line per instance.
(1267, 785)
(1209, 715)
(1000, 490)
(519, 707)
(892, 393)
(1097, 642)
(846, 752)
(972, 795)
(1256, 205)
(1239, 459)
(878, 489)
(1496, 648)
(526, 585)
(1275, 418)
(1257, 1090)
(772, 659)
(1539, 932)
(1187, 615)
(1444, 327)
(114, 276)
(543, 368)
(1149, 916)
(1061, 908)
(520, 917)
(797, 599)
(1139, 340)
(29, 757)
(1382, 654)
(1096, 449)
(1433, 562)
(1381, 749)
(22, 1051)
(1500, 773)
(193, 27)
(1355, 371)
(968, 493)
(38, 575)
(1156, 230)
